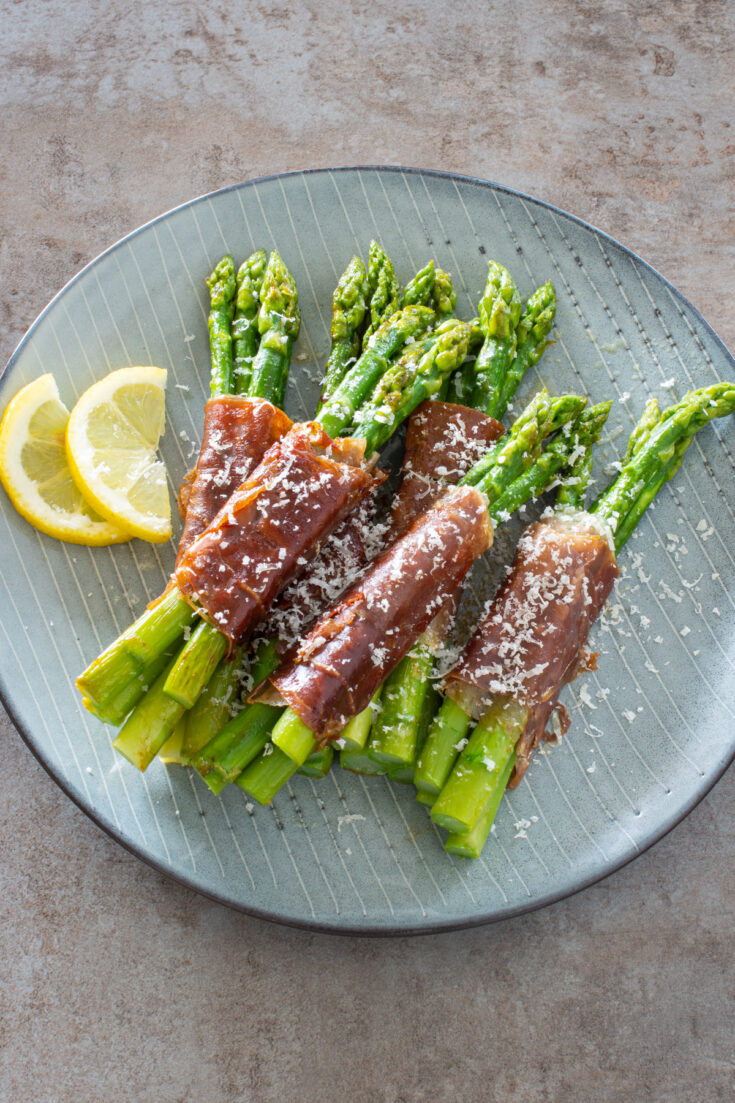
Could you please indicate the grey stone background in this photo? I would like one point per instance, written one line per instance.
(118, 985)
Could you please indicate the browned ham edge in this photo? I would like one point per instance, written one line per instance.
(443, 441)
(333, 673)
(271, 527)
(237, 434)
(531, 641)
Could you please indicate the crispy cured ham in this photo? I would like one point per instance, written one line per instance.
(443, 441)
(333, 673)
(531, 641)
(237, 434)
(271, 527)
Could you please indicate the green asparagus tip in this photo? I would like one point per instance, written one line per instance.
(222, 282)
(443, 295)
(249, 280)
(278, 300)
(500, 305)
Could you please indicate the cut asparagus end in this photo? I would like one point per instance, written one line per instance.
(170, 753)
(469, 844)
(292, 736)
(158, 628)
(108, 676)
(149, 725)
(479, 767)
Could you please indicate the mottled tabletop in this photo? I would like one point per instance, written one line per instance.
(116, 983)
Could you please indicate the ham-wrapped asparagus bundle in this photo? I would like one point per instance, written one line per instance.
(271, 527)
(531, 641)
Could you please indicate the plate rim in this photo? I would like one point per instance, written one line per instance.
(430, 925)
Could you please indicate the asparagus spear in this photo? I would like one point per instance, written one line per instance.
(222, 284)
(500, 312)
(443, 295)
(531, 341)
(279, 321)
(349, 304)
(244, 325)
(383, 289)
(654, 455)
(420, 289)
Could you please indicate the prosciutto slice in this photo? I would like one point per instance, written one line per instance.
(237, 434)
(333, 673)
(531, 641)
(271, 527)
(443, 441)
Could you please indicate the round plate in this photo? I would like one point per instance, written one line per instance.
(652, 729)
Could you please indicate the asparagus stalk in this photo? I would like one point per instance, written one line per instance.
(267, 774)
(415, 376)
(231, 749)
(279, 321)
(443, 295)
(213, 708)
(115, 711)
(500, 312)
(349, 304)
(319, 763)
(419, 290)
(396, 730)
(386, 341)
(244, 325)
(149, 725)
(383, 290)
(531, 342)
(195, 664)
(469, 844)
(222, 284)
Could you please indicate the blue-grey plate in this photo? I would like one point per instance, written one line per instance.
(652, 730)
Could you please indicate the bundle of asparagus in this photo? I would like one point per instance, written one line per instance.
(579, 551)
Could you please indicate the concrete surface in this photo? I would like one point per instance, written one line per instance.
(120, 985)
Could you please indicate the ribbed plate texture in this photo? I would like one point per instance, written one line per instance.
(652, 729)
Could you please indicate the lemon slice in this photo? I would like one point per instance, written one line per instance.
(35, 472)
(111, 443)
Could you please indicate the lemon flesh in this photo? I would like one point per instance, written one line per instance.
(35, 472)
(111, 443)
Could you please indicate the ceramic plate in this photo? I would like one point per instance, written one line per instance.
(652, 730)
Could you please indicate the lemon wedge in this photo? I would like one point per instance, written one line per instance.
(111, 443)
(35, 472)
